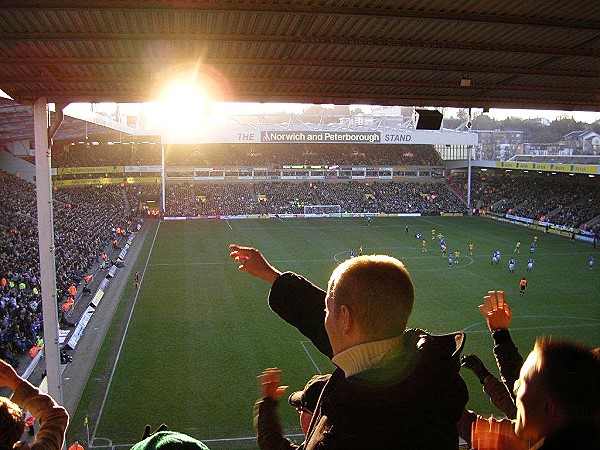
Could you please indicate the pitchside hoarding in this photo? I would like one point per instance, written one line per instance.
(549, 167)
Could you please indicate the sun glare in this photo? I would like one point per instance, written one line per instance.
(184, 107)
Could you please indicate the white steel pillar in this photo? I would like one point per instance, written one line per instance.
(43, 179)
(164, 179)
(469, 168)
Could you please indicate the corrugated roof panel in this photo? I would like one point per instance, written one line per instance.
(393, 44)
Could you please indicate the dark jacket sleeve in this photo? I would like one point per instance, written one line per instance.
(269, 434)
(464, 425)
(500, 396)
(508, 358)
(301, 304)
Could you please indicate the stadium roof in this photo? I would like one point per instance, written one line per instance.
(461, 53)
(16, 124)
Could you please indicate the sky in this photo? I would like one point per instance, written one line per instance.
(266, 108)
(494, 113)
(579, 116)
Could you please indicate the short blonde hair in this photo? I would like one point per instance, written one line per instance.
(378, 291)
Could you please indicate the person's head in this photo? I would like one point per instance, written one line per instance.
(558, 385)
(369, 298)
(12, 423)
(169, 440)
(306, 400)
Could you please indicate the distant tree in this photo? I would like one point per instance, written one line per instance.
(512, 124)
(484, 122)
(341, 110)
(565, 124)
(463, 114)
(318, 111)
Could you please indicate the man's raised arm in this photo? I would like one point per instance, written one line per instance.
(498, 316)
(253, 262)
(292, 297)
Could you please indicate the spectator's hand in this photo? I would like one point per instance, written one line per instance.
(496, 311)
(269, 381)
(8, 376)
(492, 434)
(253, 262)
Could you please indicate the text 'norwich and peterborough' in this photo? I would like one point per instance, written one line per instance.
(322, 136)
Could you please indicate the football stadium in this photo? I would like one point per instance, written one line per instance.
(148, 262)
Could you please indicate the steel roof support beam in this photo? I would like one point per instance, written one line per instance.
(46, 247)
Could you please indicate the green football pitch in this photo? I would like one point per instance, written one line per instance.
(201, 330)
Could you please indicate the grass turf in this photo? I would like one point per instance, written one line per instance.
(201, 331)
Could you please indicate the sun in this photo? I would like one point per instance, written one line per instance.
(184, 107)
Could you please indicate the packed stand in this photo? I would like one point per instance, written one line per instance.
(180, 200)
(84, 219)
(425, 198)
(137, 195)
(558, 200)
(277, 155)
(88, 155)
(286, 197)
(249, 155)
(580, 212)
(227, 199)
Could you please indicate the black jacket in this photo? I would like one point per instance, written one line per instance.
(508, 358)
(411, 400)
(576, 436)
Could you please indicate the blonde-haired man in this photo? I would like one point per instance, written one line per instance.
(392, 388)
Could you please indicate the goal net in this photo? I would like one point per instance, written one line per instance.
(322, 211)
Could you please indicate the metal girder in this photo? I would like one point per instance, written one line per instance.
(298, 40)
(503, 85)
(313, 64)
(309, 8)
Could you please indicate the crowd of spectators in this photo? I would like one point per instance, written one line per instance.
(277, 155)
(580, 212)
(181, 200)
(244, 155)
(281, 197)
(137, 195)
(558, 199)
(89, 155)
(84, 220)
(290, 197)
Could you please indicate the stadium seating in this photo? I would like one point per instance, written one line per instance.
(287, 197)
(84, 219)
(247, 155)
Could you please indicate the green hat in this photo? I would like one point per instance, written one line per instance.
(169, 440)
